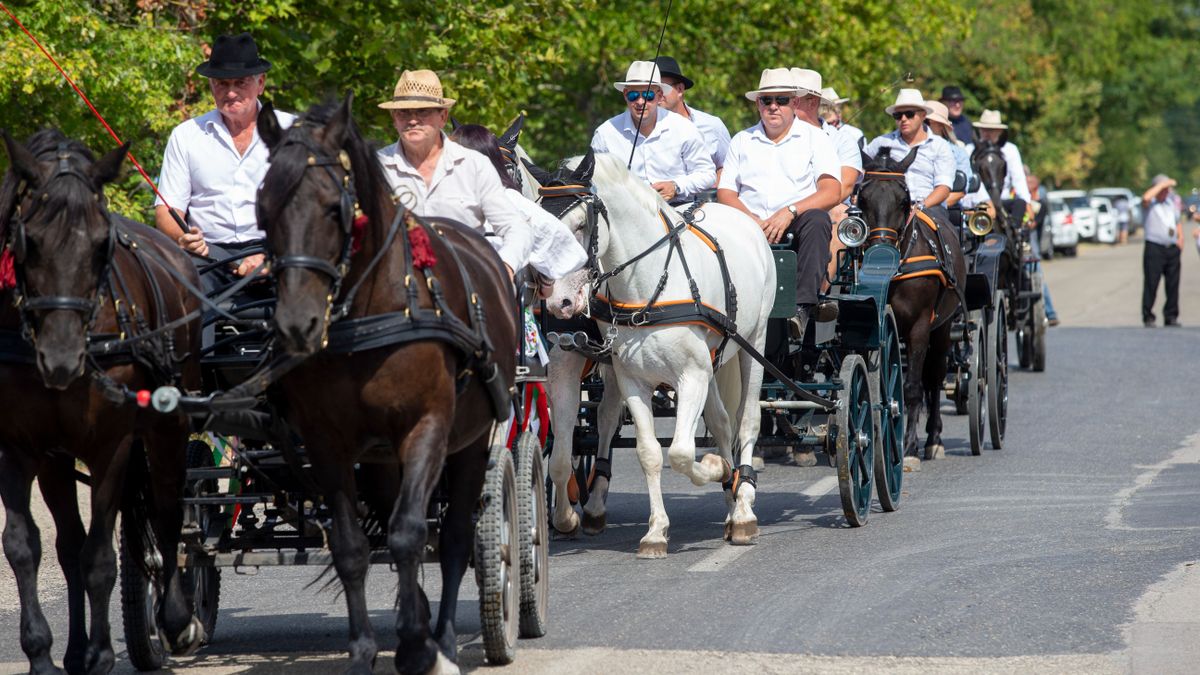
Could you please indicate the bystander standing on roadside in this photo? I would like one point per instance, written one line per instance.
(1164, 241)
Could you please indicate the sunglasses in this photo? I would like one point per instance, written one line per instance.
(632, 96)
(906, 114)
(766, 101)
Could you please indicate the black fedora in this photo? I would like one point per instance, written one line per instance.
(233, 56)
(667, 66)
(952, 93)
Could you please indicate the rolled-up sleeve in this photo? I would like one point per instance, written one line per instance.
(701, 174)
(511, 226)
(175, 178)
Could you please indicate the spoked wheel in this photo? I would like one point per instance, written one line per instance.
(1037, 343)
(855, 441)
(997, 361)
(977, 384)
(140, 595)
(497, 559)
(534, 537)
(205, 582)
(888, 391)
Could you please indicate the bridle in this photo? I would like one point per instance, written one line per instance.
(594, 210)
(27, 306)
(881, 233)
(992, 187)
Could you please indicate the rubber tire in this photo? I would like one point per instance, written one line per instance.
(855, 463)
(139, 596)
(497, 574)
(889, 475)
(534, 537)
(206, 580)
(997, 361)
(977, 387)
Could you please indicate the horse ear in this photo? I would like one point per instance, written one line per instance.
(23, 163)
(587, 166)
(268, 126)
(334, 134)
(867, 160)
(908, 160)
(109, 166)
(455, 124)
(539, 174)
(509, 138)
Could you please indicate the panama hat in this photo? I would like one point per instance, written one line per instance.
(774, 81)
(938, 112)
(233, 56)
(908, 98)
(990, 119)
(641, 74)
(831, 96)
(807, 81)
(417, 89)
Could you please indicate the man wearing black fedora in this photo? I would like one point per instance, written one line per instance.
(714, 131)
(952, 98)
(214, 163)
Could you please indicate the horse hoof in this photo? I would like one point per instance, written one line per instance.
(804, 458)
(652, 550)
(593, 525)
(935, 451)
(911, 463)
(187, 642)
(744, 534)
(758, 463)
(565, 534)
(714, 462)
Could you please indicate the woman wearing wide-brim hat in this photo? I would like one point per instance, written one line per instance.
(434, 176)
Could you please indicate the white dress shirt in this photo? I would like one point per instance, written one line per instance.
(767, 176)
(556, 253)
(674, 151)
(846, 146)
(716, 135)
(856, 136)
(933, 166)
(1162, 219)
(465, 187)
(204, 176)
(1015, 182)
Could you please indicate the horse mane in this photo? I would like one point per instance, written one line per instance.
(72, 193)
(612, 171)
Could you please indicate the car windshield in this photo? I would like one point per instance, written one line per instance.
(1078, 202)
(1058, 206)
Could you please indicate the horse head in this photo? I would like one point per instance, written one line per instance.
(307, 206)
(883, 195)
(61, 239)
(568, 195)
(988, 161)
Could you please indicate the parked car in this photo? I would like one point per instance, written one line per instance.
(1127, 205)
(1082, 212)
(1106, 220)
(1063, 236)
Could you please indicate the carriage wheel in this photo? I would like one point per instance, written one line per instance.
(497, 560)
(997, 361)
(1037, 345)
(205, 582)
(535, 537)
(139, 596)
(888, 392)
(977, 385)
(855, 440)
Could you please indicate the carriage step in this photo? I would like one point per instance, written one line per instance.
(211, 472)
(1030, 295)
(228, 500)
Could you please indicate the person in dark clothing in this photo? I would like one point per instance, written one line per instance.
(952, 98)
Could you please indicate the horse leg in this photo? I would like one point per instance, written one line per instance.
(914, 395)
(564, 372)
(934, 376)
(691, 392)
(608, 421)
(744, 523)
(23, 548)
(637, 400)
(465, 473)
(99, 560)
(57, 483)
(422, 454)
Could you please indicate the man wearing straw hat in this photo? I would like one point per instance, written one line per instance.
(714, 131)
(783, 172)
(670, 152)
(434, 176)
(931, 174)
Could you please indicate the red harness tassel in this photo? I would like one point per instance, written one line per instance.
(357, 229)
(8, 275)
(422, 249)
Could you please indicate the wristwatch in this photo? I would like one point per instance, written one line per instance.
(792, 210)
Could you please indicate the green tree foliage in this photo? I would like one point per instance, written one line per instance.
(1095, 89)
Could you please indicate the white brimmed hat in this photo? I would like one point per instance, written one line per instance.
(990, 119)
(831, 97)
(641, 74)
(808, 81)
(774, 81)
(938, 112)
(908, 98)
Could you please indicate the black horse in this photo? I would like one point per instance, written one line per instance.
(84, 276)
(407, 409)
(926, 292)
(988, 161)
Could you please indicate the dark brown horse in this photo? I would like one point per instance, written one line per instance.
(85, 276)
(988, 161)
(924, 294)
(406, 411)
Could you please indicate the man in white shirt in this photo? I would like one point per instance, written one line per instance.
(784, 173)
(992, 129)
(716, 135)
(434, 176)
(1164, 244)
(214, 164)
(931, 174)
(670, 153)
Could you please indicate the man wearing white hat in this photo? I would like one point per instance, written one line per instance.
(807, 105)
(783, 172)
(831, 111)
(991, 128)
(442, 177)
(931, 174)
(670, 152)
(939, 123)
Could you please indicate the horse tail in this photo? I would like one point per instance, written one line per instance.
(137, 509)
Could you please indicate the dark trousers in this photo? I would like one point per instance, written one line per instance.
(810, 232)
(1160, 261)
(1016, 211)
(217, 278)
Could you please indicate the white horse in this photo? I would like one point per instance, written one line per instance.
(680, 354)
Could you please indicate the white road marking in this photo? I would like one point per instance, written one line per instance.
(1188, 454)
(720, 559)
(821, 488)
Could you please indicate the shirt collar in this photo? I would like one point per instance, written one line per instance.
(628, 126)
(213, 118)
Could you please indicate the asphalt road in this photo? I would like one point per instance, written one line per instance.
(1070, 550)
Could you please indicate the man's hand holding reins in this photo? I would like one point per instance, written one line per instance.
(249, 263)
